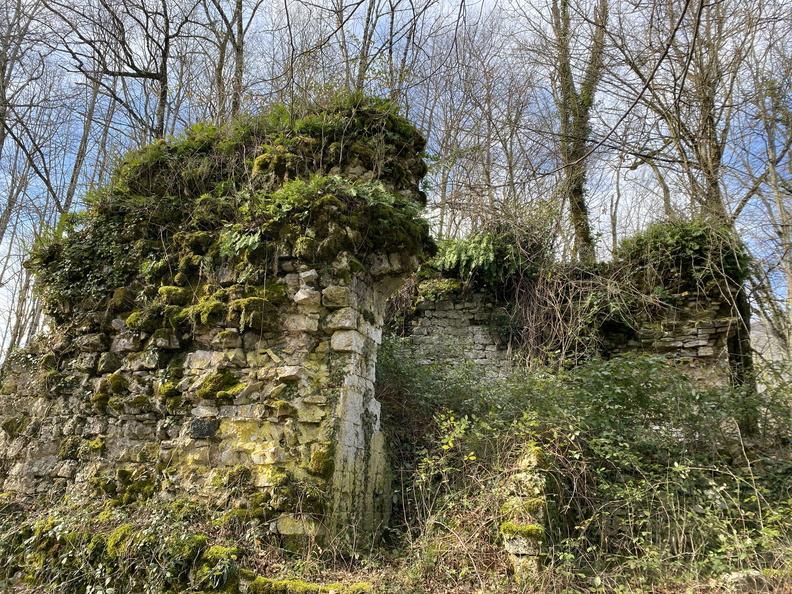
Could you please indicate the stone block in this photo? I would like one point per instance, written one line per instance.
(91, 343)
(204, 428)
(310, 277)
(337, 296)
(345, 318)
(108, 363)
(301, 323)
(348, 341)
(308, 297)
(125, 342)
(145, 360)
(85, 362)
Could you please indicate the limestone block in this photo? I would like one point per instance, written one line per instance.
(379, 265)
(149, 359)
(289, 373)
(301, 323)
(204, 428)
(91, 343)
(337, 296)
(308, 297)
(310, 277)
(345, 318)
(348, 341)
(228, 338)
(268, 455)
(297, 525)
(85, 362)
(307, 413)
(118, 324)
(125, 342)
(164, 338)
(204, 410)
(108, 363)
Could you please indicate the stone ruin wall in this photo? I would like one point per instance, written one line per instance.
(130, 413)
(696, 334)
(459, 328)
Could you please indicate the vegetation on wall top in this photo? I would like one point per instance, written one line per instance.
(343, 178)
(683, 256)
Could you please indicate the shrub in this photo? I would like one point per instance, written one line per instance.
(648, 480)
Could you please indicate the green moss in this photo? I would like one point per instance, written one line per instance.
(159, 220)
(119, 540)
(439, 288)
(14, 426)
(218, 569)
(206, 311)
(168, 390)
(262, 585)
(281, 408)
(523, 506)
(236, 518)
(122, 299)
(673, 257)
(92, 446)
(322, 462)
(219, 385)
(252, 313)
(109, 386)
(69, 447)
(184, 550)
(529, 531)
(234, 478)
(174, 295)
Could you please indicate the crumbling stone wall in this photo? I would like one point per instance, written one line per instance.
(455, 328)
(216, 313)
(696, 333)
(130, 412)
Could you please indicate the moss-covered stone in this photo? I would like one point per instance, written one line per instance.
(262, 585)
(173, 295)
(69, 447)
(14, 426)
(119, 540)
(528, 531)
(219, 385)
(159, 220)
(321, 462)
(218, 569)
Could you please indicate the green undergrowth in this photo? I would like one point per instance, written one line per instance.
(649, 485)
(154, 547)
(182, 216)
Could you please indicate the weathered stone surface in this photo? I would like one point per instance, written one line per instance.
(291, 403)
(342, 319)
(308, 297)
(108, 363)
(204, 428)
(457, 328)
(92, 343)
(348, 340)
(125, 342)
(336, 296)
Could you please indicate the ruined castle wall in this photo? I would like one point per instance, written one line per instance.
(696, 334)
(473, 328)
(458, 328)
(129, 414)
